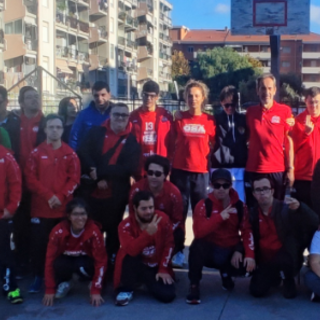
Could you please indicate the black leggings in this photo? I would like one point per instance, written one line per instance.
(135, 271)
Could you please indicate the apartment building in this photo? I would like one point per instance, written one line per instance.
(299, 53)
(123, 42)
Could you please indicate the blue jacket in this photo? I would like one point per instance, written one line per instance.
(85, 120)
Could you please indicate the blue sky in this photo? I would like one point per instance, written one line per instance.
(215, 14)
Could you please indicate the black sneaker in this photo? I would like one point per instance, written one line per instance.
(314, 297)
(289, 288)
(227, 283)
(193, 296)
(15, 296)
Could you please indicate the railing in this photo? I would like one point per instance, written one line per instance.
(1, 35)
(62, 52)
(165, 37)
(60, 17)
(83, 26)
(83, 56)
(130, 21)
(31, 44)
(73, 22)
(103, 33)
(122, 15)
(164, 56)
(166, 19)
(130, 43)
(122, 41)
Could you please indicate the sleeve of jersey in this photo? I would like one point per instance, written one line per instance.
(33, 184)
(298, 135)
(246, 234)
(203, 226)
(100, 261)
(288, 116)
(73, 178)
(134, 189)
(177, 209)
(167, 248)
(213, 133)
(52, 254)
(131, 245)
(14, 184)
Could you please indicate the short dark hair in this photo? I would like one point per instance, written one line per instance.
(23, 90)
(53, 116)
(141, 196)
(99, 85)
(229, 92)
(76, 203)
(160, 161)
(151, 86)
(4, 92)
(63, 105)
(311, 92)
(261, 177)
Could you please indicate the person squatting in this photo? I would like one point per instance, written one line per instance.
(67, 178)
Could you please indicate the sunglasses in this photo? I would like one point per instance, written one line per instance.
(223, 185)
(154, 173)
(120, 115)
(229, 105)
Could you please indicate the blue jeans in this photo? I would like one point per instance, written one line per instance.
(312, 281)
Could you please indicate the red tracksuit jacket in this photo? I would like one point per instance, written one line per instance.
(51, 172)
(168, 201)
(156, 250)
(223, 233)
(154, 132)
(90, 243)
(10, 182)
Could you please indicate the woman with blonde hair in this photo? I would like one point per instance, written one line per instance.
(195, 132)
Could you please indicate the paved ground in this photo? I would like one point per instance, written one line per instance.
(217, 304)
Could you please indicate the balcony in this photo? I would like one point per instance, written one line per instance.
(165, 75)
(127, 43)
(165, 38)
(130, 24)
(19, 45)
(310, 55)
(164, 56)
(83, 57)
(144, 53)
(1, 5)
(311, 84)
(32, 6)
(310, 70)
(97, 62)
(145, 13)
(83, 26)
(62, 52)
(144, 32)
(99, 9)
(98, 34)
(2, 40)
(257, 55)
(167, 20)
(144, 73)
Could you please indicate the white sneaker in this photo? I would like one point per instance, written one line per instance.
(123, 298)
(63, 289)
(178, 260)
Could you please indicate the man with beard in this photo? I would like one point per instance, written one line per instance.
(52, 174)
(147, 244)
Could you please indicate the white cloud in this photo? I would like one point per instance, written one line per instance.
(222, 8)
(315, 14)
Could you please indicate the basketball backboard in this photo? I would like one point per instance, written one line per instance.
(267, 17)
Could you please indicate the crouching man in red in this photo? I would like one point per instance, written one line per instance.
(167, 199)
(147, 244)
(10, 195)
(217, 222)
(76, 246)
(52, 174)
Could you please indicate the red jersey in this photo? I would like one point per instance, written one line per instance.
(223, 233)
(269, 243)
(51, 172)
(168, 201)
(154, 132)
(28, 136)
(194, 134)
(267, 138)
(10, 182)
(155, 250)
(306, 147)
(90, 242)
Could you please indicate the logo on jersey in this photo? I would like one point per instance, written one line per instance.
(35, 129)
(149, 136)
(149, 251)
(275, 119)
(194, 128)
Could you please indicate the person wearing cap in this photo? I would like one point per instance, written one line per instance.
(152, 126)
(217, 224)
(230, 150)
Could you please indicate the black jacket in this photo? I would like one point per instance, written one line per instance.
(295, 229)
(315, 189)
(90, 155)
(12, 125)
(230, 150)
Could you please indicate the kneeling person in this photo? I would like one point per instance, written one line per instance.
(76, 246)
(217, 222)
(147, 244)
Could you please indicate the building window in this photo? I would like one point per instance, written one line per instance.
(286, 49)
(265, 49)
(111, 25)
(45, 32)
(190, 49)
(286, 64)
(112, 51)
(45, 3)
(14, 27)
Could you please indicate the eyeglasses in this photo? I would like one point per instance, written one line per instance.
(229, 105)
(120, 115)
(148, 95)
(223, 185)
(262, 190)
(154, 173)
